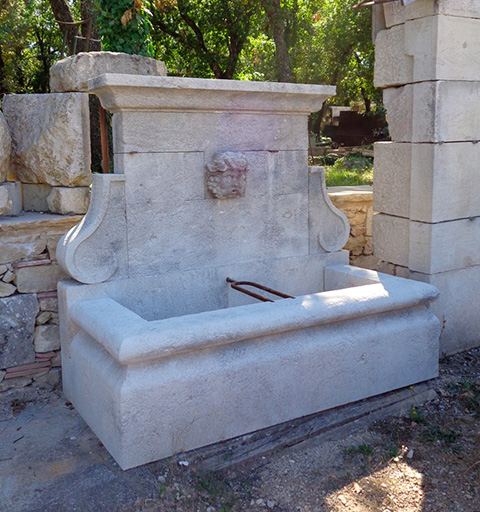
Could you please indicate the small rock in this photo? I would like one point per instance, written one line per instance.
(8, 277)
(260, 502)
(410, 454)
(7, 289)
(357, 488)
(161, 479)
(3, 269)
(183, 463)
(43, 317)
(73, 438)
(210, 509)
(342, 499)
(270, 504)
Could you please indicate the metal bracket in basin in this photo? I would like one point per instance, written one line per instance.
(237, 285)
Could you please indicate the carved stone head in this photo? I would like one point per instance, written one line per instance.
(226, 175)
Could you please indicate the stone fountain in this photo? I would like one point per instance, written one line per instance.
(211, 183)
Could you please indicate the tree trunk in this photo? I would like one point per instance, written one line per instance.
(276, 19)
(87, 10)
(62, 13)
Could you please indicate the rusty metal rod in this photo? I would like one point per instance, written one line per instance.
(237, 285)
(104, 139)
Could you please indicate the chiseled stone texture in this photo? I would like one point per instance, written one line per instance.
(17, 325)
(394, 13)
(444, 181)
(46, 338)
(461, 8)
(50, 138)
(389, 49)
(67, 200)
(73, 73)
(28, 236)
(35, 197)
(433, 112)
(444, 246)
(391, 182)
(42, 278)
(5, 148)
(431, 48)
(10, 198)
(457, 308)
(391, 238)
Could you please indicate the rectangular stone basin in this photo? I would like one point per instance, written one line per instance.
(156, 373)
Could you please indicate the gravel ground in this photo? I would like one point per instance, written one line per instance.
(428, 461)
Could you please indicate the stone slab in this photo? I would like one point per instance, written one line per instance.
(391, 238)
(10, 198)
(394, 13)
(423, 8)
(457, 307)
(43, 278)
(432, 112)
(68, 200)
(444, 246)
(146, 132)
(73, 73)
(5, 148)
(390, 48)
(445, 181)
(35, 197)
(50, 138)
(391, 182)
(46, 338)
(17, 325)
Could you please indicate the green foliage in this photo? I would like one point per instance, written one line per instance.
(350, 170)
(30, 42)
(125, 26)
(202, 38)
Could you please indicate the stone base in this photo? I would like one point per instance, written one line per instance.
(152, 389)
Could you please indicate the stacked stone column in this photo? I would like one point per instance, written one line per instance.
(427, 180)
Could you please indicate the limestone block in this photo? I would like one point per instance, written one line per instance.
(444, 246)
(5, 148)
(391, 182)
(25, 237)
(8, 277)
(47, 338)
(461, 8)
(10, 198)
(392, 65)
(7, 289)
(444, 48)
(147, 132)
(19, 382)
(17, 325)
(457, 307)
(35, 197)
(394, 13)
(67, 200)
(49, 380)
(43, 278)
(391, 238)
(432, 111)
(48, 304)
(73, 73)
(43, 317)
(50, 138)
(445, 184)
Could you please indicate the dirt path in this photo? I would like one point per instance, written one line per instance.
(428, 461)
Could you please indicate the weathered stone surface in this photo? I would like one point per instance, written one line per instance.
(444, 246)
(43, 278)
(433, 112)
(43, 317)
(391, 183)
(7, 289)
(389, 48)
(48, 304)
(17, 324)
(391, 239)
(50, 380)
(394, 13)
(19, 382)
(47, 338)
(65, 200)
(27, 236)
(35, 197)
(73, 73)
(5, 148)
(50, 138)
(10, 198)
(462, 8)
(8, 277)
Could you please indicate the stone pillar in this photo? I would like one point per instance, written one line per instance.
(427, 186)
